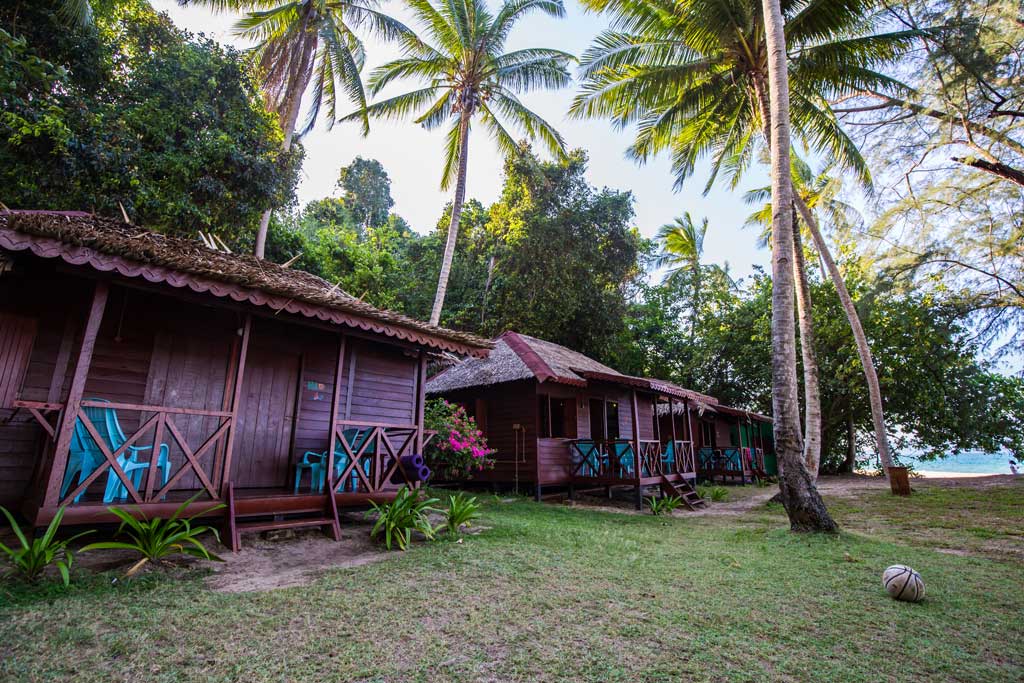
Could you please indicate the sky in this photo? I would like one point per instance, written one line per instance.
(412, 155)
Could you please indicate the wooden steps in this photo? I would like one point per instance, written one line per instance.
(326, 518)
(684, 491)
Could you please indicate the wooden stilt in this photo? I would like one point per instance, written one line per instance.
(236, 399)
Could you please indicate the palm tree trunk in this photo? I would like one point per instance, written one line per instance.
(453, 227)
(812, 390)
(288, 114)
(863, 350)
(803, 504)
(487, 288)
(851, 443)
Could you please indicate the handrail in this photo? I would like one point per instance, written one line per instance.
(156, 409)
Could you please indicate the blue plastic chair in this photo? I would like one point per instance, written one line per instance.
(624, 454)
(668, 456)
(587, 452)
(316, 462)
(707, 458)
(85, 455)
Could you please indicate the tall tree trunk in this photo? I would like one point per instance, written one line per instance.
(803, 504)
(487, 288)
(453, 227)
(288, 114)
(861, 341)
(812, 390)
(851, 443)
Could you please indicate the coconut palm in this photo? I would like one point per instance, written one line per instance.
(682, 247)
(76, 12)
(693, 76)
(465, 75)
(307, 47)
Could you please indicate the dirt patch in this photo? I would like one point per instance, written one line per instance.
(294, 560)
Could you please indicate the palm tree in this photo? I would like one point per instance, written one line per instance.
(803, 504)
(466, 74)
(76, 12)
(302, 44)
(817, 191)
(693, 76)
(682, 247)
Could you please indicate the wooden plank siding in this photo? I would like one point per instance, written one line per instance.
(151, 349)
(506, 405)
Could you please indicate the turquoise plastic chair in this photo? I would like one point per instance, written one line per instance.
(624, 454)
(668, 457)
(85, 455)
(316, 462)
(588, 452)
(707, 458)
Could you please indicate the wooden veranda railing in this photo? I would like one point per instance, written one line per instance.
(370, 455)
(627, 460)
(210, 430)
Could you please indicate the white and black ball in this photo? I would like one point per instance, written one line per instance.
(903, 583)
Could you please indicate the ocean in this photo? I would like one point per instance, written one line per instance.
(971, 462)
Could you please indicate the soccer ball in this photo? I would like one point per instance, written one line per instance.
(903, 583)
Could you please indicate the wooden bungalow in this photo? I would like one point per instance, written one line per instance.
(732, 445)
(560, 419)
(144, 370)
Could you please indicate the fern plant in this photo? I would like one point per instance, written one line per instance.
(157, 539)
(462, 510)
(398, 519)
(664, 505)
(31, 558)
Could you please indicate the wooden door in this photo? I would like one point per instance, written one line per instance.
(266, 416)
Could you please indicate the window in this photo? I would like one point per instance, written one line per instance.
(707, 434)
(611, 413)
(557, 417)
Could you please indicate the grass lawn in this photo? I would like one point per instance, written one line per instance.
(552, 593)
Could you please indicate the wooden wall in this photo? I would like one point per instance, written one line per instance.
(154, 349)
(506, 405)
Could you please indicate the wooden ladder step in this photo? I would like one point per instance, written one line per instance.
(270, 525)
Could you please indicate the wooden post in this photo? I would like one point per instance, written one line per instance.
(71, 406)
(225, 406)
(339, 368)
(236, 398)
(421, 397)
(636, 448)
(677, 455)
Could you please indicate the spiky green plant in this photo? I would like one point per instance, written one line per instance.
(157, 539)
(462, 511)
(664, 505)
(397, 520)
(466, 75)
(30, 558)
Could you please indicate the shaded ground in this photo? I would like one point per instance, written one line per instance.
(552, 593)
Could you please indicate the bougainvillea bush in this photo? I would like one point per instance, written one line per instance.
(459, 450)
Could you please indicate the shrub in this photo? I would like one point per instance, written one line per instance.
(399, 518)
(459, 449)
(31, 558)
(461, 512)
(664, 505)
(713, 493)
(156, 539)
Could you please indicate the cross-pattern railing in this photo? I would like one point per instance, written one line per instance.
(628, 460)
(367, 456)
(154, 461)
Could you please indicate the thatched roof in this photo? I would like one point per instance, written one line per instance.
(519, 356)
(107, 245)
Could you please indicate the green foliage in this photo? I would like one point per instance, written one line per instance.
(715, 494)
(664, 505)
(31, 557)
(461, 512)
(89, 121)
(692, 75)
(466, 74)
(156, 539)
(366, 191)
(397, 520)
